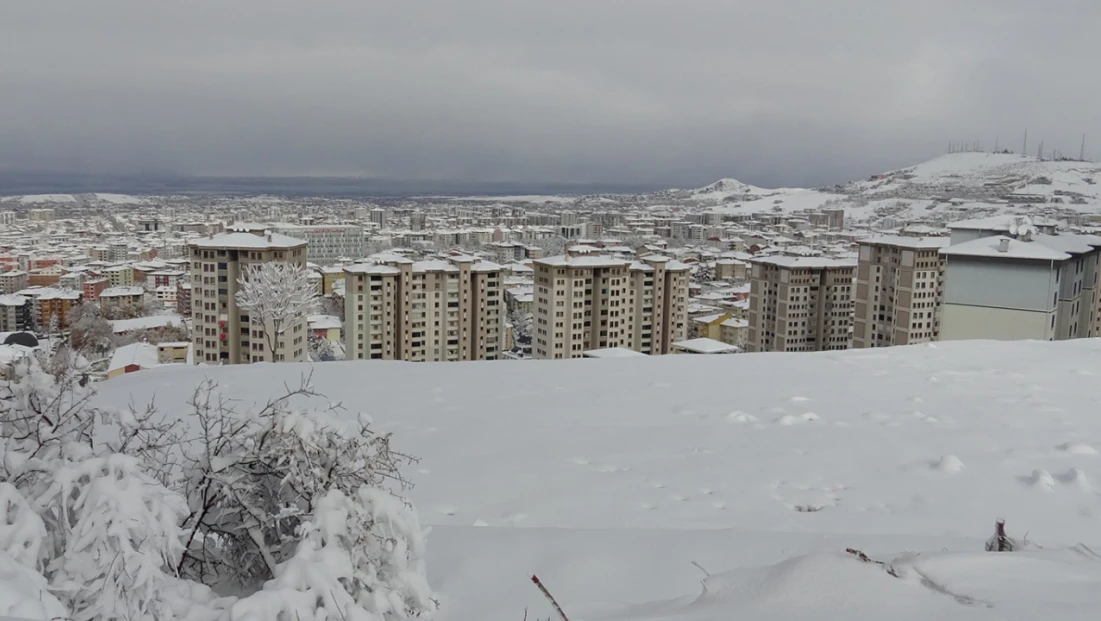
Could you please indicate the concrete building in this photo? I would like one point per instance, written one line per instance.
(800, 304)
(15, 280)
(1039, 286)
(222, 332)
(15, 313)
(899, 281)
(121, 297)
(441, 310)
(590, 302)
(328, 242)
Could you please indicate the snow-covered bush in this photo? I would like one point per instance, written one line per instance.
(254, 477)
(361, 559)
(126, 516)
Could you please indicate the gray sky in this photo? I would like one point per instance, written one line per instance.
(675, 92)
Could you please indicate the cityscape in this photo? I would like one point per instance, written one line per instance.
(363, 310)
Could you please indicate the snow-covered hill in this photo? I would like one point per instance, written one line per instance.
(608, 478)
(69, 199)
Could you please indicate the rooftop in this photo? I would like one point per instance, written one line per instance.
(249, 241)
(1014, 249)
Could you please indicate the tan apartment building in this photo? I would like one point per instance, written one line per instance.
(590, 302)
(424, 311)
(800, 304)
(222, 333)
(899, 288)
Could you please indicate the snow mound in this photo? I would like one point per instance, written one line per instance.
(960, 586)
(948, 463)
(1076, 478)
(1077, 448)
(1040, 479)
(47, 198)
(119, 199)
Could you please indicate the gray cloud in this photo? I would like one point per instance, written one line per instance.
(673, 92)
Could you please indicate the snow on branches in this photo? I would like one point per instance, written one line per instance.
(135, 515)
(276, 295)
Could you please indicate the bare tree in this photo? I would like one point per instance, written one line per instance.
(276, 295)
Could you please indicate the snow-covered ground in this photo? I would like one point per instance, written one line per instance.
(608, 478)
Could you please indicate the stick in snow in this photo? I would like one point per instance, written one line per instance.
(550, 598)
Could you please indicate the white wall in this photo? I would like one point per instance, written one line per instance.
(960, 322)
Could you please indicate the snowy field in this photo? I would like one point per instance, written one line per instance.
(608, 478)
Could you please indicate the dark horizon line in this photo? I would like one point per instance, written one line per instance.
(19, 182)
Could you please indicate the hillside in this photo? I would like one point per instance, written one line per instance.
(609, 477)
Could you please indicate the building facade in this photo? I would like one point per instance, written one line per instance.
(328, 242)
(590, 302)
(443, 310)
(1042, 287)
(800, 304)
(899, 283)
(222, 333)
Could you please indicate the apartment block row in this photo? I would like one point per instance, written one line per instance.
(587, 302)
(1002, 278)
(448, 309)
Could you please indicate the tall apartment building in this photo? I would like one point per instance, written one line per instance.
(800, 304)
(899, 283)
(16, 312)
(223, 333)
(587, 302)
(328, 242)
(438, 311)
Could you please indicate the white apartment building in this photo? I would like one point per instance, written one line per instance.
(223, 333)
(328, 242)
(7, 218)
(800, 304)
(899, 281)
(1037, 286)
(424, 311)
(589, 302)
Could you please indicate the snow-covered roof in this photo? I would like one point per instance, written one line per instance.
(706, 346)
(13, 299)
(1068, 242)
(248, 240)
(323, 322)
(805, 262)
(145, 323)
(1014, 249)
(583, 261)
(117, 292)
(142, 354)
(916, 243)
(613, 352)
(371, 268)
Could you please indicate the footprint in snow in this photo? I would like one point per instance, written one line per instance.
(448, 510)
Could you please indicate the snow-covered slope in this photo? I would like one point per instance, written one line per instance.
(609, 477)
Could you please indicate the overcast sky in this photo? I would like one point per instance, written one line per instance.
(672, 92)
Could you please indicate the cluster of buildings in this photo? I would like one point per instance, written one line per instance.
(456, 280)
(1004, 277)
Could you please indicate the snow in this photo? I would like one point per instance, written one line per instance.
(248, 240)
(613, 352)
(119, 199)
(1015, 249)
(805, 262)
(121, 326)
(608, 479)
(142, 354)
(323, 322)
(47, 198)
(124, 291)
(706, 346)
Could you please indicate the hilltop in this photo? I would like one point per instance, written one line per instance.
(608, 478)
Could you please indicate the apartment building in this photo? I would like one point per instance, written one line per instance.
(15, 280)
(800, 304)
(1032, 286)
(899, 281)
(424, 311)
(222, 333)
(328, 242)
(589, 302)
(15, 313)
